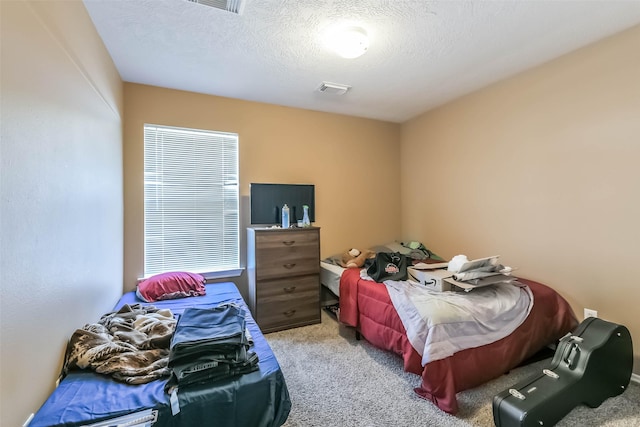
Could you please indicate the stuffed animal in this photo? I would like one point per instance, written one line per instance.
(354, 258)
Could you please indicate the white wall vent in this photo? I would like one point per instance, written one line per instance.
(334, 88)
(234, 6)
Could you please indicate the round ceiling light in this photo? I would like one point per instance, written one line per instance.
(349, 42)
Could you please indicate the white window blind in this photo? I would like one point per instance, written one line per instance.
(191, 218)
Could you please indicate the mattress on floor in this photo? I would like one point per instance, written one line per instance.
(258, 398)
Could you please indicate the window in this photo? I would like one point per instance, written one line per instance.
(191, 199)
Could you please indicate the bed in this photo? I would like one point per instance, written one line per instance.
(367, 306)
(331, 270)
(259, 398)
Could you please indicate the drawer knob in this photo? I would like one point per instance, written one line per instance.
(289, 313)
(289, 289)
(288, 242)
(290, 265)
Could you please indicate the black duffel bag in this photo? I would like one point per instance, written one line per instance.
(387, 266)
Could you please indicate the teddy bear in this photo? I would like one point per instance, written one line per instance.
(355, 258)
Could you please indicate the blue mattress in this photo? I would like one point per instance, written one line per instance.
(259, 398)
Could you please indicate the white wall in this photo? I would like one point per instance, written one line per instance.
(61, 216)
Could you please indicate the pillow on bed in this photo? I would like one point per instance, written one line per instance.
(172, 285)
(414, 250)
(420, 252)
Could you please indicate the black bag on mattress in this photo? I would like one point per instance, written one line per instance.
(387, 266)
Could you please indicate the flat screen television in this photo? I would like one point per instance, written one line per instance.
(267, 201)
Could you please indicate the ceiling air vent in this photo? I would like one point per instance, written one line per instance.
(233, 6)
(334, 88)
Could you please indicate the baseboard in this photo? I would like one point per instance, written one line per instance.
(635, 378)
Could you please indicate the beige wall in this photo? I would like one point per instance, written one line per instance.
(353, 162)
(543, 170)
(61, 213)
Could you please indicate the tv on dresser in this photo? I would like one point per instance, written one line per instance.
(267, 201)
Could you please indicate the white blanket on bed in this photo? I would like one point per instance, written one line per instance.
(439, 324)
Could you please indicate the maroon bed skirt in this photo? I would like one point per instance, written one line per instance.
(366, 305)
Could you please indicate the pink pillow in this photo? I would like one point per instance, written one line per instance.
(172, 285)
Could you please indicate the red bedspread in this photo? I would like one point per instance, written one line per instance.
(366, 306)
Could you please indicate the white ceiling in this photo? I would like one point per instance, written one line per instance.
(421, 55)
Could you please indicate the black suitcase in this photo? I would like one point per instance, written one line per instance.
(590, 365)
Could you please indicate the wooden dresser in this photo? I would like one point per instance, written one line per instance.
(283, 267)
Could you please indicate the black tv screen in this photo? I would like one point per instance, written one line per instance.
(267, 201)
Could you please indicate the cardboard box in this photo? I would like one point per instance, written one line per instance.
(432, 279)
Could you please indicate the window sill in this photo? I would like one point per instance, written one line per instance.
(214, 275)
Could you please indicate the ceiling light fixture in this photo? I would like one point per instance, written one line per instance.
(233, 6)
(349, 42)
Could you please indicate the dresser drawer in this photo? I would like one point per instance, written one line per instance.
(286, 262)
(290, 238)
(289, 315)
(277, 291)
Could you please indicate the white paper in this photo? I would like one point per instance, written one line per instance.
(425, 266)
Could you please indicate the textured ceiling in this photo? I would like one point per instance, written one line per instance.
(421, 55)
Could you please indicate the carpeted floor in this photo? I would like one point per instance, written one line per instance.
(335, 380)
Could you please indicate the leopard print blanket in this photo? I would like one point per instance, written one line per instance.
(131, 344)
